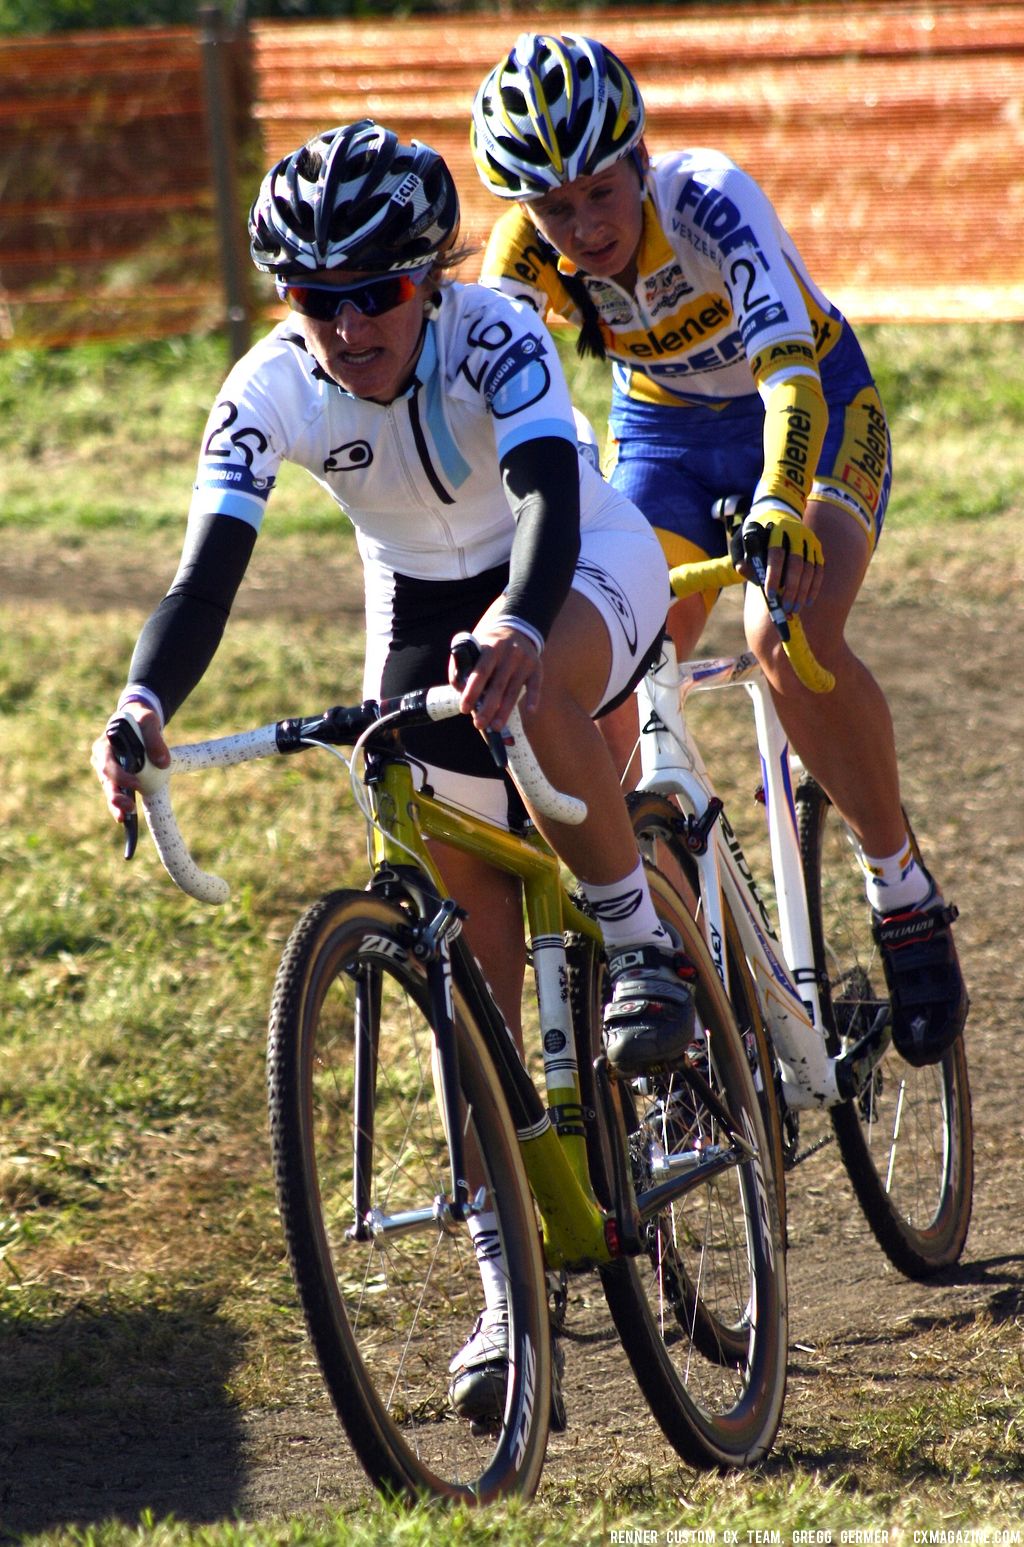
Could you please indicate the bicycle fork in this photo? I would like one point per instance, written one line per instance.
(430, 944)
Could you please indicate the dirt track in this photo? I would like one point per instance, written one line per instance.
(856, 1326)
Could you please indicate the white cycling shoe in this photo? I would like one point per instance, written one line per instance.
(479, 1375)
(479, 1371)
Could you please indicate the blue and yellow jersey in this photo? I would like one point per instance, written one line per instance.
(722, 309)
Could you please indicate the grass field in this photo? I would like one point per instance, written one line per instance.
(139, 1244)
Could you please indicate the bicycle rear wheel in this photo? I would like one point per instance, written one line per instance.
(907, 1141)
(356, 1128)
(701, 1311)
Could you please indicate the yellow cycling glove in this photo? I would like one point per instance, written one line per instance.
(763, 530)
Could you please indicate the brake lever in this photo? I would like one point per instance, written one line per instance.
(130, 754)
(465, 653)
(753, 547)
(776, 611)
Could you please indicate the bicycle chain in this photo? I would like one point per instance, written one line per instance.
(812, 1149)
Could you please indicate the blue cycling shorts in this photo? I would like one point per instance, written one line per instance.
(674, 463)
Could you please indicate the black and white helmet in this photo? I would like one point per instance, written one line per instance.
(354, 197)
(556, 108)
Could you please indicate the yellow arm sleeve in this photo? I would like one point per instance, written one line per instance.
(795, 420)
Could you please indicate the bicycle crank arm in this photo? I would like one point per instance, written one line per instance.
(855, 1067)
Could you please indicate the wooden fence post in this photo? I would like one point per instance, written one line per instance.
(220, 121)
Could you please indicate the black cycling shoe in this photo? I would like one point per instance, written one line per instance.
(922, 971)
(649, 1021)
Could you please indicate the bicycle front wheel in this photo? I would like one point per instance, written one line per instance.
(907, 1139)
(657, 823)
(389, 1283)
(701, 1311)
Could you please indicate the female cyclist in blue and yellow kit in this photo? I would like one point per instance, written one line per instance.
(732, 375)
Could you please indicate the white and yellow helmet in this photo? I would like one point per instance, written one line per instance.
(555, 108)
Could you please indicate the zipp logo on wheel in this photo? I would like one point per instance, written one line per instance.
(381, 945)
(763, 1206)
(529, 1398)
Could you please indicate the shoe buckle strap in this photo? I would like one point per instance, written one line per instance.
(633, 956)
(900, 929)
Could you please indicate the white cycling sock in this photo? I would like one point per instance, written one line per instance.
(895, 881)
(625, 911)
(490, 1259)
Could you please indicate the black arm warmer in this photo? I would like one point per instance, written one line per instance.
(542, 486)
(180, 639)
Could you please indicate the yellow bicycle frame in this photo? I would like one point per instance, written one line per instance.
(575, 1228)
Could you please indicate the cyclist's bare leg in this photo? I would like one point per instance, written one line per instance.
(494, 926)
(603, 849)
(621, 729)
(570, 748)
(845, 738)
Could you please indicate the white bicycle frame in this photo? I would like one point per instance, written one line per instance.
(781, 963)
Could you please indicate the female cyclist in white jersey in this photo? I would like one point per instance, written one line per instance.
(437, 417)
(732, 375)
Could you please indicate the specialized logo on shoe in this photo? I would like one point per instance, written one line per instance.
(902, 928)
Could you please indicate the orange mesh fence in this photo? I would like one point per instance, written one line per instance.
(890, 138)
(107, 223)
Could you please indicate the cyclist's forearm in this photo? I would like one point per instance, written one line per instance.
(180, 639)
(176, 645)
(542, 487)
(796, 418)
